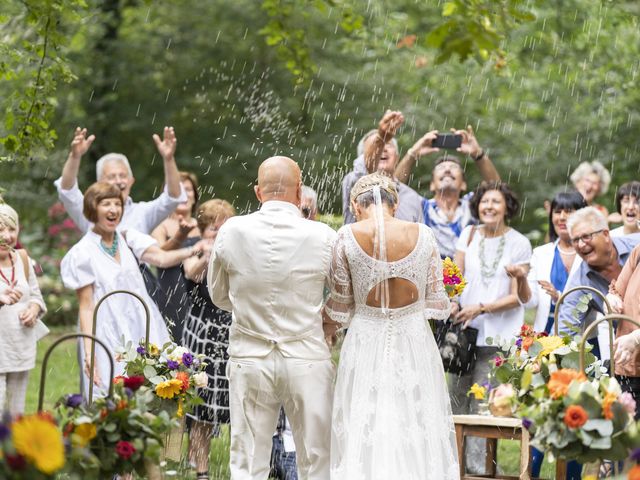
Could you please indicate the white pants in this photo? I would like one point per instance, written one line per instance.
(257, 389)
(13, 390)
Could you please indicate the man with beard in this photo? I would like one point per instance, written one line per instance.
(448, 212)
(114, 168)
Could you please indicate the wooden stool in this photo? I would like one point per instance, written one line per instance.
(492, 428)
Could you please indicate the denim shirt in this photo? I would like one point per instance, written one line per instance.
(586, 276)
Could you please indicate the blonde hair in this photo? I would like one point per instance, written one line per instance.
(213, 210)
(8, 216)
(585, 168)
(367, 183)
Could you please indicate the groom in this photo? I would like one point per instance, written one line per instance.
(269, 268)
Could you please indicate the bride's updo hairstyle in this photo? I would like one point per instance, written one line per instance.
(362, 191)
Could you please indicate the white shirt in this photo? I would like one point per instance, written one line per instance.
(141, 216)
(517, 249)
(270, 268)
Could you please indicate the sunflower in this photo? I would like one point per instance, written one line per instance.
(549, 344)
(169, 389)
(40, 442)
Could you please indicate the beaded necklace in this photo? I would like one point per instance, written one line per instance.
(113, 249)
(488, 271)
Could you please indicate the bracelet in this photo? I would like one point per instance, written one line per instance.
(479, 157)
(483, 309)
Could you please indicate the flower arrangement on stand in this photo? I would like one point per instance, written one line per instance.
(31, 446)
(114, 435)
(172, 373)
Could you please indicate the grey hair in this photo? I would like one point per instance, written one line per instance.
(111, 157)
(590, 215)
(367, 135)
(585, 168)
(310, 193)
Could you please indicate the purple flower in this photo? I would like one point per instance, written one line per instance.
(172, 365)
(519, 342)
(128, 392)
(74, 400)
(4, 432)
(141, 350)
(635, 455)
(526, 423)
(187, 359)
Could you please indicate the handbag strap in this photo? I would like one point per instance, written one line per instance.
(25, 262)
(473, 232)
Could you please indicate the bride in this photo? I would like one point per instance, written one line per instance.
(391, 411)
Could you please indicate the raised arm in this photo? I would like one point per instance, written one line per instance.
(79, 146)
(156, 256)
(419, 149)
(374, 145)
(167, 149)
(471, 147)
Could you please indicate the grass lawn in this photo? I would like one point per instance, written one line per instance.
(62, 377)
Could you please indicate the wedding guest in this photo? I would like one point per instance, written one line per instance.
(21, 307)
(449, 211)
(591, 179)
(494, 259)
(309, 203)
(380, 153)
(114, 168)
(177, 231)
(551, 265)
(627, 205)
(207, 332)
(624, 293)
(603, 258)
(105, 260)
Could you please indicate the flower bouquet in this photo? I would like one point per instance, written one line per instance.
(452, 278)
(31, 446)
(172, 373)
(113, 435)
(581, 419)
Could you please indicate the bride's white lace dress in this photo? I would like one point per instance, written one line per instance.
(391, 411)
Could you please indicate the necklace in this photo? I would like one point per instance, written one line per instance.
(113, 249)
(489, 271)
(13, 273)
(564, 252)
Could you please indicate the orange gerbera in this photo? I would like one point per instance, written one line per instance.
(184, 378)
(609, 400)
(575, 416)
(527, 342)
(561, 379)
(634, 473)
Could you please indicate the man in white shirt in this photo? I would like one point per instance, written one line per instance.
(270, 268)
(114, 168)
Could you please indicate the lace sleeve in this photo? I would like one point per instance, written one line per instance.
(436, 301)
(340, 304)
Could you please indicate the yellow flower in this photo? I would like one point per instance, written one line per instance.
(169, 389)
(84, 433)
(180, 411)
(40, 442)
(154, 349)
(549, 344)
(477, 391)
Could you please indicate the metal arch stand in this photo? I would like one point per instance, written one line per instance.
(94, 326)
(50, 350)
(608, 313)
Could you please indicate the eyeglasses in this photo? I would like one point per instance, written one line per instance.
(586, 238)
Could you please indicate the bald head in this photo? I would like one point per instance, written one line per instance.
(279, 178)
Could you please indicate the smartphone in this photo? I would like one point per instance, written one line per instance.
(448, 140)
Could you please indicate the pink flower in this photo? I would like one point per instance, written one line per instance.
(54, 230)
(56, 210)
(498, 361)
(627, 401)
(68, 223)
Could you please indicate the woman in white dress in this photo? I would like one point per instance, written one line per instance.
(104, 260)
(21, 307)
(391, 411)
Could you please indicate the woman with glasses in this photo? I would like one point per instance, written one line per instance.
(628, 206)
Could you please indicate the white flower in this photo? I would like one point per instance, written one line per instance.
(201, 379)
(176, 354)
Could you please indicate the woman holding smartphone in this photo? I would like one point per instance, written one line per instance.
(494, 259)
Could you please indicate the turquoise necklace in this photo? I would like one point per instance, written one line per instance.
(113, 249)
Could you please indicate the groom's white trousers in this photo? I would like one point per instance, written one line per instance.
(257, 389)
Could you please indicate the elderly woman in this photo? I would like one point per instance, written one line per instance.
(628, 206)
(105, 260)
(21, 307)
(591, 179)
(494, 259)
(207, 332)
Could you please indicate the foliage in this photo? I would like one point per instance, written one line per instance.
(113, 435)
(30, 447)
(171, 372)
